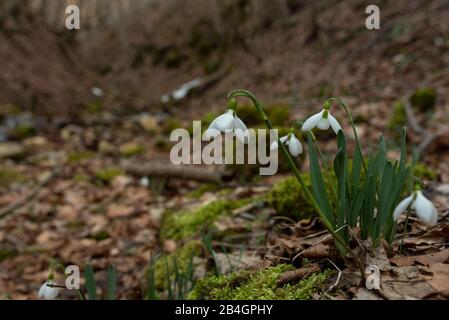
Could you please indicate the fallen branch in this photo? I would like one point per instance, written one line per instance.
(293, 276)
(168, 170)
(14, 206)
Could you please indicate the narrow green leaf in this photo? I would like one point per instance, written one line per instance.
(90, 283)
(318, 188)
(112, 283)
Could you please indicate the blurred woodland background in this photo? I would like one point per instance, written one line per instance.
(85, 116)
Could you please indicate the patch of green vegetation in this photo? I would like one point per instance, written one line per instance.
(169, 125)
(182, 256)
(259, 285)
(108, 174)
(6, 252)
(288, 198)
(8, 176)
(131, 149)
(94, 107)
(424, 99)
(202, 189)
(162, 144)
(208, 45)
(424, 172)
(101, 235)
(399, 118)
(177, 225)
(23, 131)
(78, 156)
(79, 177)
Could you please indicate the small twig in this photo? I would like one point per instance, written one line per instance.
(318, 242)
(14, 206)
(338, 277)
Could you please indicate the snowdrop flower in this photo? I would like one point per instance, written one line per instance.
(293, 144)
(228, 122)
(48, 293)
(322, 120)
(425, 210)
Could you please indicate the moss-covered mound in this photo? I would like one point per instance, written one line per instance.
(288, 198)
(182, 257)
(177, 225)
(259, 285)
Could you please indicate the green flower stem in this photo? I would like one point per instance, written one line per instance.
(404, 232)
(351, 120)
(326, 168)
(327, 224)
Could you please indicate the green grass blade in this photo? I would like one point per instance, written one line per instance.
(90, 283)
(318, 187)
(112, 283)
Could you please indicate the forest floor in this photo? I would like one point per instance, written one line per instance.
(73, 188)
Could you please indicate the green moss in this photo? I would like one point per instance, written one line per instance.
(23, 131)
(6, 252)
(162, 144)
(202, 189)
(94, 107)
(424, 99)
(169, 125)
(399, 118)
(80, 177)
(131, 149)
(8, 176)
(108, 174)
(78, 156)
(182, 256)
(178, 225)
(424, 172)
(259, 285)
(101, 235)
(278, 114)
(288, 198)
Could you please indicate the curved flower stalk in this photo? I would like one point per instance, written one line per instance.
(425, 210)
(293, 144)
(322, 120)
(229, 122)
(48, 291)
(281, 144)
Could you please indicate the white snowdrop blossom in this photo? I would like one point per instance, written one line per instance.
(425, 210)
(293, 144)
(322, 120)
(228, 122)
(48, 293)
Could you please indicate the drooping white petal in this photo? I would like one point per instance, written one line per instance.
(275, 145)
(312, 121)
(334, 123)
(400, 208)
(294, 146)
(46, 292)
(225, 121)
(211, 133)
(323, 124)
(240, 130)
(425, 210)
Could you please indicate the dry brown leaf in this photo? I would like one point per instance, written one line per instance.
(119, 211)
(426, 259)
(316, 252)
(440, 278)
(169, 246)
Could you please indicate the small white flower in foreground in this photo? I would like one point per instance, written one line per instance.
(228, 122)
(425, 210)
(48, 293)
(322, 120)
(293, 144)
